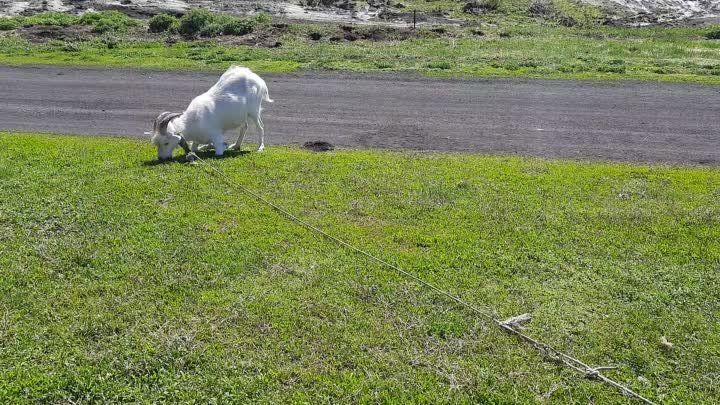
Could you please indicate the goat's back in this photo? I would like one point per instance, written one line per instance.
(238, 93)
(239, 81)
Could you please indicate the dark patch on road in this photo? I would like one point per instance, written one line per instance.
(618, 121)
(318, 146)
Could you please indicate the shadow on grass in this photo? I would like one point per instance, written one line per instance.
(206, 155)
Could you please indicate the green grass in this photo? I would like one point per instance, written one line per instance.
(125, 281)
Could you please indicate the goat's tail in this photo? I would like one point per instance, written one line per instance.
(266, 95)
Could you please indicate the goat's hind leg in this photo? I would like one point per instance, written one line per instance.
(238, 143)
(261, 131)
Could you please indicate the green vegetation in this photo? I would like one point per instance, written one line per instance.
(537, 39)
(196, 23)
(681, 54)
(101, 22)
(202, 23)
(713, 34)
(108, 21)
(480, 6)
(50, 18)
(565, 12)
(7, 24)
(121, 283)
(163, 23)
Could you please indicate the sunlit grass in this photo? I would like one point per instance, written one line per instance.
(126, 281)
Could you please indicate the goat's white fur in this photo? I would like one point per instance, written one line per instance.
(229, 104)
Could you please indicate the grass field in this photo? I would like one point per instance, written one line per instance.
(506, 47)
(127, 281)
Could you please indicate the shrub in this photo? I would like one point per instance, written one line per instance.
(239, 27)
(243, 26)
(194, 21)
(50, 18)
(713, 34)
(480, 6)
(71, 47)
(104, 26)
(8, 24)
(163, 23)
(568, 13)
(441, 65)
(566, 21)
(542, 8)
(565, 15)
(91, 18)
(613, 66)
(108, 21)
(110, 41)
(317, 3)
(211, 30)
(205, 24)
(263, 18)
(102, 22)
(223, 19)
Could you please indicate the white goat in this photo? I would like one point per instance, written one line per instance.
(236, 97)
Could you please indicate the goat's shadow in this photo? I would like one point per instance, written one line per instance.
(205, 155)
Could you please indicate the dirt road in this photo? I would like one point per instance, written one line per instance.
(620, 121)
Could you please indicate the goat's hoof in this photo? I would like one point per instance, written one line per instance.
(261, 149)
(235, 147)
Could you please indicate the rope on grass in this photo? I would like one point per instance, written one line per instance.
(512, 326)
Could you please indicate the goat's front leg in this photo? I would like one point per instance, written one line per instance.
(193, 148)
(219, 143)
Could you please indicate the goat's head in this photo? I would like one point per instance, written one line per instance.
(165, 141)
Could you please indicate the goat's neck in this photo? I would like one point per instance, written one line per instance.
(177, 125)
